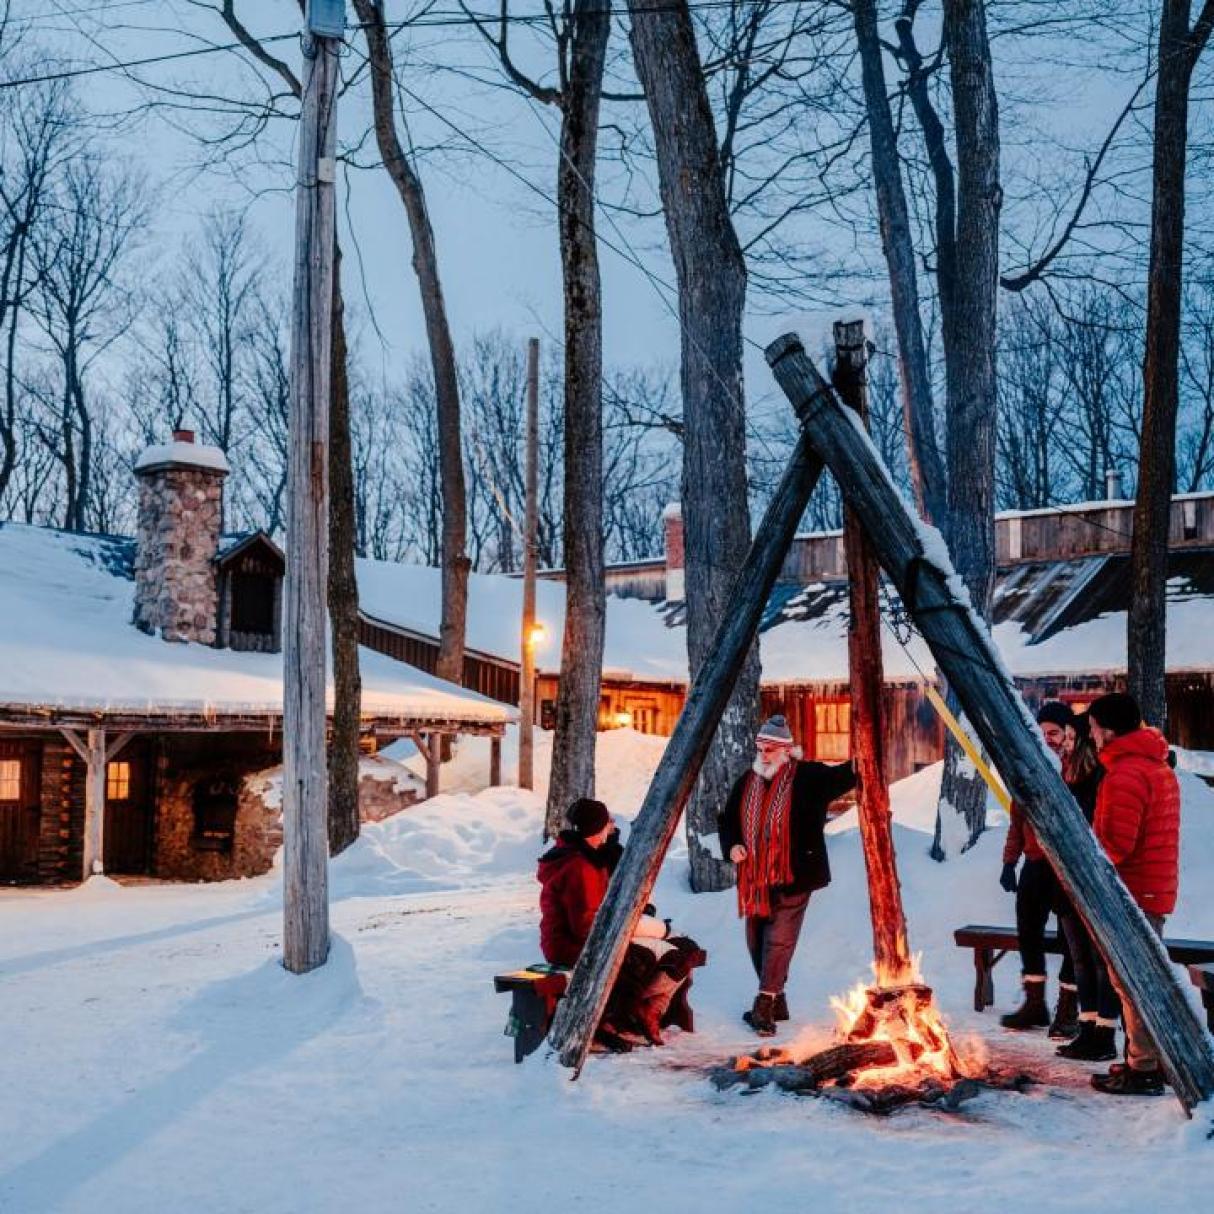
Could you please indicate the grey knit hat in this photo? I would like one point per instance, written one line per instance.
(775, 729)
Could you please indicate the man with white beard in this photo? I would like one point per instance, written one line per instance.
(773, 829)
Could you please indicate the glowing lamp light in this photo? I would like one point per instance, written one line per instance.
(623, 720)
(537, 634)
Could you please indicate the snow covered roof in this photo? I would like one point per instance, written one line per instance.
(67, 643)
(638, 645)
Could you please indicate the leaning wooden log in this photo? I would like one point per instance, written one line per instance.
(918, 564)
(809, 1075)
(891, 951)
(578, 1014)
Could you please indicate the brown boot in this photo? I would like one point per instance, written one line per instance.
(1032, 1013)
(760, 1016)
(1065, 1024)
(779, 1008)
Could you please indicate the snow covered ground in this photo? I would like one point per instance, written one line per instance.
(157, 1057)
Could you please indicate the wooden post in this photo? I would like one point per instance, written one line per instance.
(434, 761)
(495, 760)
(578, 1014)
(305, 790)
(891, 952)
(93, 753)
(526, 699)
(918, 564)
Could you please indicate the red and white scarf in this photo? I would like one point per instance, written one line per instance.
(765, 817)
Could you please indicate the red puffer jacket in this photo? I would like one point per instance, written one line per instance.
(574, 882)
(1138, 817)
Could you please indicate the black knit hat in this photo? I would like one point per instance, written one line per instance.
(587, 816)
(1055, 712)
(1118, 711)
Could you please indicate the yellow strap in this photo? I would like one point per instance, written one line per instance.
(963, 740)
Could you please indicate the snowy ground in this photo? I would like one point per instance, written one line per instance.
(157, 1057)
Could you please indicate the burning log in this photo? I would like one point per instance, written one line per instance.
(775, 1068)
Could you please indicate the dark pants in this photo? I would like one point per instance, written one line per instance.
(1140, 1051)
(1097, 995)
(1036, 896)
(772, 939)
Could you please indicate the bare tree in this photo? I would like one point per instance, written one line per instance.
(1180, 46)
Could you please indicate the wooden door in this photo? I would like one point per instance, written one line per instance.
(20, 811)
(128, 812)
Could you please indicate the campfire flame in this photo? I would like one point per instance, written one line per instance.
(901, 1011)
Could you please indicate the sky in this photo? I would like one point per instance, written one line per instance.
(496, 236)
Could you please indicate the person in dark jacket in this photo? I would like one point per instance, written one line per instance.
(1037, 896)
(651, 990)
(1099, 1006)
(772, 828)
(1137, 822)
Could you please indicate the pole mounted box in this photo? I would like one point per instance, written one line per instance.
(326, 18)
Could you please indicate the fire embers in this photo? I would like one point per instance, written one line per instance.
(894, 1050)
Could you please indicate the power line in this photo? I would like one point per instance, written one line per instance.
(435, 20)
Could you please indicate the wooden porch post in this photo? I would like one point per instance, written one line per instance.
(495, 760)
(919, 566)
(93, 754)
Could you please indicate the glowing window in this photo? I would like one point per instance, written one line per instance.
(118, 781)
(10, 779)
(832, 730)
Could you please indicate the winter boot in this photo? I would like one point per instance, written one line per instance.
(1128, 1082)
(1032, 1013)
(1066, 1014)
(760, 1015)
(779, 1008)
(1096, 1043)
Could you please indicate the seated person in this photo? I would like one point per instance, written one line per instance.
(650, 991)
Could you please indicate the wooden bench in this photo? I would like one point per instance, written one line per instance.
(992, 944)
(1203, 980)
(535, 991)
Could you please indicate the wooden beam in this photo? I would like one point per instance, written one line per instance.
(76, 743)
(918, 564)
(434, 763)
(578, 1014)
(891, 951)
(305, 943)
(113, 748)
(94, 805)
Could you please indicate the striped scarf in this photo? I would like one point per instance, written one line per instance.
(765, 835)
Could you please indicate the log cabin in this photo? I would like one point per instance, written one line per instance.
(141, 692)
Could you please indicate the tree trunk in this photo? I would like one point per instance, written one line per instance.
(343, 595)
(923, 451)
(970, 370)
(891, 951)
(711, 273)
(454, 558)
(1147, 622)
(577, 703)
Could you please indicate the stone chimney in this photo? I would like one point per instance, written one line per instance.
(177, 537)
(1114, 486)
(672, 530)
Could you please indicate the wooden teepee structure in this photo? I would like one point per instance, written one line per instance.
(917, 563)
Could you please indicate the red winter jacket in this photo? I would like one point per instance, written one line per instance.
(1138, 817)
(574, 884)
(1021, 838)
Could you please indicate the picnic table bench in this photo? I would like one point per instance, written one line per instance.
(992, 944)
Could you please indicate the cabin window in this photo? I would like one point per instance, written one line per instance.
(215, 799)
(253, 602)
(118, 781)
(832, 730)
(10, 779)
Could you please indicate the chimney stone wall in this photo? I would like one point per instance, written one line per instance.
(177, 538)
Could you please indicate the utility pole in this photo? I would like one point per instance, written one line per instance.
(531, 518)
(305, 775)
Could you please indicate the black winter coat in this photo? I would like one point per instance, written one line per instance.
(814, 787)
